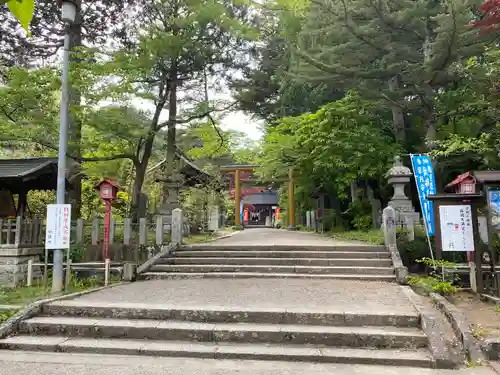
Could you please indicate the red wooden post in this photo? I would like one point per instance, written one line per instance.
(107, 220)
(108, 191)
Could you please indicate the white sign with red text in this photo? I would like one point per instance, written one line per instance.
(456, 228)
(58, 228)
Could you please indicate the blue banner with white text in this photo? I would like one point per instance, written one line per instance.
(426, 185)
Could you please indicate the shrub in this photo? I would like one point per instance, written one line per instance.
(442, 283)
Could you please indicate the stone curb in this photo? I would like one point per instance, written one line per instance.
(444, 355)
(491, 345)
(222, 237)
(170, 247)
(399, 268)
(11, 325)
(151, 261)
(461, 327)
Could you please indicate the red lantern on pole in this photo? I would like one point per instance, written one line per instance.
(108, 191)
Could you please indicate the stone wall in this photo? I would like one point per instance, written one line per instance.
(14, 263)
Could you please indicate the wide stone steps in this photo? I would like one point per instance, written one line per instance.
(356, 262)
(293, 334)
(282, 254)
(336, 270)
(264, 275)
(287, 248)
(324, 262)
(151, 329)
(222, 314)
(395, 357)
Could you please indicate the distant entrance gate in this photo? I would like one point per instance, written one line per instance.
(243, 173)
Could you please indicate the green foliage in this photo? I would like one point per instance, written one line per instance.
(432, 284)
(21, 9)
(412, 251)
(360, 214)
(373, 236)
(442, 278)
(333, 147)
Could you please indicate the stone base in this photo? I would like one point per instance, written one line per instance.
(291, 228)
(238, 227)
(14, 264)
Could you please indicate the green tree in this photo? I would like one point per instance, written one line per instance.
(399, 51)
(331, 148)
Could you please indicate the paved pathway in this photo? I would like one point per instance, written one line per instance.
(29, 363)
(261, 236)
(284, 294)
(324, 295)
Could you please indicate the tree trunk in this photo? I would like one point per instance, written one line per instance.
(398, 116)
(169, 169)
(141, 168)
(75, 127)
(140, 175)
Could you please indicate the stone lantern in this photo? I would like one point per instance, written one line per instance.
(398, 177)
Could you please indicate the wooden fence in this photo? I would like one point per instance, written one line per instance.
(31, 232)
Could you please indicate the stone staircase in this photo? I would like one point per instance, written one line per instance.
(357, 262)
(75, 326)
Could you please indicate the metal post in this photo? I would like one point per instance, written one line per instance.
(57, 272)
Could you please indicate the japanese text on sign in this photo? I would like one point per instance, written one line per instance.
(58, 229)
(456, 228)
(426, 185)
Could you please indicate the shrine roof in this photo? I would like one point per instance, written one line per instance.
(18, 175)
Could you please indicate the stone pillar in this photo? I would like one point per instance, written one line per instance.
(177, 226)
(398, 177)
(308, 219)
(314, 223)
(268, 222)
(389, 225)
(171, 200)
(213, 217)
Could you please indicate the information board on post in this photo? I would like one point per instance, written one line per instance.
(456, 227)
(58, 227)
(426, 185)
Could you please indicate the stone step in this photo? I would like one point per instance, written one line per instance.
(222, 350)
(98, 309)
(261, 275)
(207, 268)
(420, 358)
(282, 254)
(279, 261)
(327, 248)
(151, 329)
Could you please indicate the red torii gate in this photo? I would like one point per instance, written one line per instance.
(243, 172)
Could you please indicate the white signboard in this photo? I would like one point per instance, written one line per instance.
(456, 228)
(58, 226)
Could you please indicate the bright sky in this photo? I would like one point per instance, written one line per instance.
(239, 121)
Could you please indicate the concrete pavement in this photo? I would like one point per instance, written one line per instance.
(30, 363)
(272, 237)
(285, 294)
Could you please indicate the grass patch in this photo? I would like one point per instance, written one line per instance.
(23, 295)
(374, 236)
(5, 315)
(198, 238)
